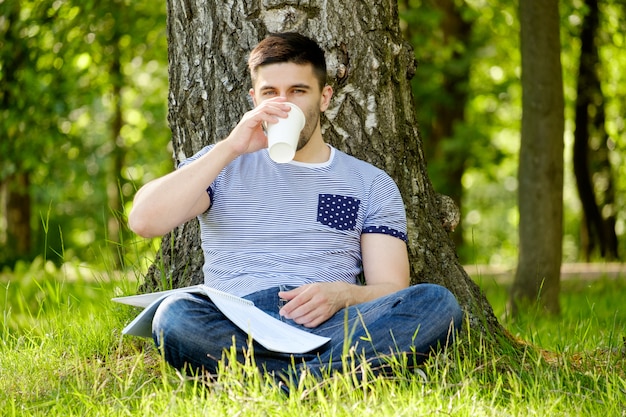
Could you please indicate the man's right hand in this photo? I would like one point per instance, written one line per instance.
(248, 136)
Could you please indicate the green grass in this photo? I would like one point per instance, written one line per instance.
(62, 354)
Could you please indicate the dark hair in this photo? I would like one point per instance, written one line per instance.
(288, 47)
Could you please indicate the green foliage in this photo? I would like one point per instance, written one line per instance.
(488, 138)
(57, 99)
(62, 354)
(57, 104)
(33, 90)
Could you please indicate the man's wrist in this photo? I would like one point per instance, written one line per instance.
(226, 151)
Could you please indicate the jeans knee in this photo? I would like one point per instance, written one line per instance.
(451, 305)
(168, 316)
(444, 302)
(177, 331)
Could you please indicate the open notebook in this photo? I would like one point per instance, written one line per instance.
(270, 332)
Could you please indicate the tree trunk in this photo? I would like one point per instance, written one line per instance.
(371, 116)
(537, 279)
(591, 145)
(15, 196)
(116, 155)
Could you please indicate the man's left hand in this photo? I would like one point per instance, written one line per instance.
(312, 304)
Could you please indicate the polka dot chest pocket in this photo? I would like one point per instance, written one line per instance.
(338, 211)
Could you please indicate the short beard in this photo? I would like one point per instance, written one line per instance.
(310, 125)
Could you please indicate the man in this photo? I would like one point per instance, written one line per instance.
(292, 237)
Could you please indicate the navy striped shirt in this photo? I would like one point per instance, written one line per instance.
(275, 224)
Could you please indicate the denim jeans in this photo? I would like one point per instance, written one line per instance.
(193, 334)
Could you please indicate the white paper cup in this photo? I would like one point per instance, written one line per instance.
(282, 137)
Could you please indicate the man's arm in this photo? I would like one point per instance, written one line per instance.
(386, 270)
(162, 204)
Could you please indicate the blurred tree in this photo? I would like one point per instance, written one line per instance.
(32, 94)
(592, 146)
(129, 52)
(14, 181)
(466, 85)
(115, 223)
(488, 137)
(440, 32)
(537, 279)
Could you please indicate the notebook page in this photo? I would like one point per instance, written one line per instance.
(273, 334)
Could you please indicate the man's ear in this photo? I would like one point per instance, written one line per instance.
(327, 93)
(251, 92)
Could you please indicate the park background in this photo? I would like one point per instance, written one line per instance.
(83, 113)
(84, 123)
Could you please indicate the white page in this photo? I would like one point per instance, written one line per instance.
(144, 300)
(270, 332)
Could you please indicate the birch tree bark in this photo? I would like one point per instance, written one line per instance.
(371, 116)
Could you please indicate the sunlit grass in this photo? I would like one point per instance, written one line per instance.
(62, 354)
(593, 315)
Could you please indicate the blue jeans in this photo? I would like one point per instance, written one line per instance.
(193, 334)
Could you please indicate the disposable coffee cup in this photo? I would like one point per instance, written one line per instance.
(282, 137)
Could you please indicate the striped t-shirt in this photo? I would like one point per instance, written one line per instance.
(275, 224)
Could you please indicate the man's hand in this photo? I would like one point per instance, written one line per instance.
(386, 267)
(248, 136)
(312, 304)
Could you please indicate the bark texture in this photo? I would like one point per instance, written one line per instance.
(371, 115)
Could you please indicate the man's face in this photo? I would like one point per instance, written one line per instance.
(298, 84)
